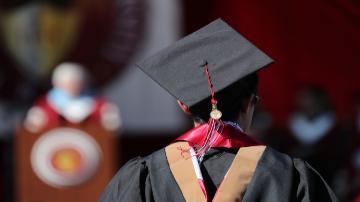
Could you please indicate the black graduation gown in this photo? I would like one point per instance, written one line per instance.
(277, 178)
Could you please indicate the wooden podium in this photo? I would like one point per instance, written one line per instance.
(66, 163)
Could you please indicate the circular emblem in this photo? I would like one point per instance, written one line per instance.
(65, 157)
(215, 114)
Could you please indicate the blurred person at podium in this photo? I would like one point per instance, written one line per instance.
(69, 101)
(67, 144)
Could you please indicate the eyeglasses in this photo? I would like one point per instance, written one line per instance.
(256, 99)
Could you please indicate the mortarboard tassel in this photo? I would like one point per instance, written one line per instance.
(214, 124)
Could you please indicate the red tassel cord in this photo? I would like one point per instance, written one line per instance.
(215, 125)
(213, 100)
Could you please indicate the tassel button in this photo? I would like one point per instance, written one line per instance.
(215, 114)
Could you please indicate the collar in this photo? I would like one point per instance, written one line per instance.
(230, 136)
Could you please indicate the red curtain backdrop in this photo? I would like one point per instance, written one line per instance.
(313, 42)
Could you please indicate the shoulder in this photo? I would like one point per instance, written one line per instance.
(133, 167)
(133, 181)
(126, 184)
(312, 185)
(294, 175)
(273, 159)
(142, 164)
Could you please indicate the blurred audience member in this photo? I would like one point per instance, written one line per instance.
(315, 133)
(69, 102)
(353, 160)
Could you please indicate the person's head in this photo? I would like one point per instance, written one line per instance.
(70, 77)
(214, 59)
(312, 101)
(236, 102)
(356, 101)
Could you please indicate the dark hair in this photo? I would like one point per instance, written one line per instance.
(320, 99)
(230, 100)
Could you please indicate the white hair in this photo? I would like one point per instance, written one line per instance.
(67, 72)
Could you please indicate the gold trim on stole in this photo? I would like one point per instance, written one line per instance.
(235, 181)
(180, 162)
(239, 174)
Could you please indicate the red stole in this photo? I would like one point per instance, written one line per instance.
(184, 166)
(231, 137)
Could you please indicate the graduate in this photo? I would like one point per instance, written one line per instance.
(212, 74)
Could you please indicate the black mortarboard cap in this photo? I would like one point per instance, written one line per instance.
(229, 56)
